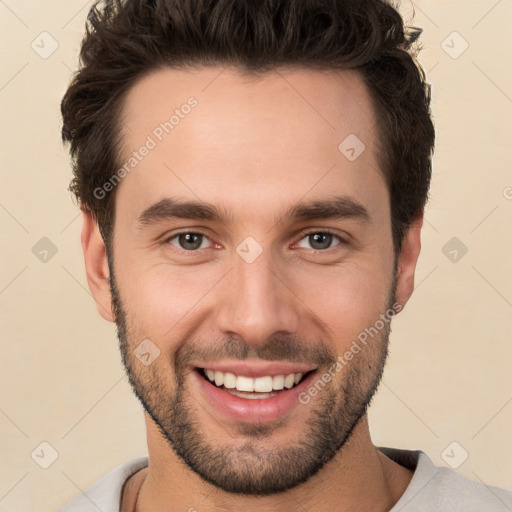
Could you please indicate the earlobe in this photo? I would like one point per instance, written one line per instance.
(406, 266)
(96, 266)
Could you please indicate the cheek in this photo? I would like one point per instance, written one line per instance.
(163, 298)
(347, 299)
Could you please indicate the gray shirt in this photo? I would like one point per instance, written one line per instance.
(431, 489)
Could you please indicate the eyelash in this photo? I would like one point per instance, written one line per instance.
(302, 236)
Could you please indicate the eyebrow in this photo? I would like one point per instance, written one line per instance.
(336, 207)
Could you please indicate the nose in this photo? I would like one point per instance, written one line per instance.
(255, 301)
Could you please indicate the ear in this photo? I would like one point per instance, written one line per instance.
(96, 266)
(406, 265)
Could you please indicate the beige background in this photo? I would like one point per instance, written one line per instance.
(448, 377)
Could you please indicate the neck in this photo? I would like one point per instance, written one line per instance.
(358, 478)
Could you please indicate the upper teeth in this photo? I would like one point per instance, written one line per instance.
(260, 384)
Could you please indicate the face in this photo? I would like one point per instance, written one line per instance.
(282, 263)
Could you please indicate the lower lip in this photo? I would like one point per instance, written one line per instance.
(260, 410)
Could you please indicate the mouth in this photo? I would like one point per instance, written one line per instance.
(260, 399)
(252, 387)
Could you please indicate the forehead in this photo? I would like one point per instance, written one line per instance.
(215, 133)
(289, 97)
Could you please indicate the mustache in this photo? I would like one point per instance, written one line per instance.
(278, 348)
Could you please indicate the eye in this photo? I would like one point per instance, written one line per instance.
(321, 240)
(192, 241)
(188, 240)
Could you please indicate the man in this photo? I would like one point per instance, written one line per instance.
(253, 177)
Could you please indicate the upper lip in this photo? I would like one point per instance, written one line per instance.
(256, 368)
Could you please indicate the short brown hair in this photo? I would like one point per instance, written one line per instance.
(126, 39)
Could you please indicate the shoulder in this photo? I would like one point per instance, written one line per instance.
(105, 494)
(434, 488)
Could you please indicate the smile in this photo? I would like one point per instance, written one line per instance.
(252, 399)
